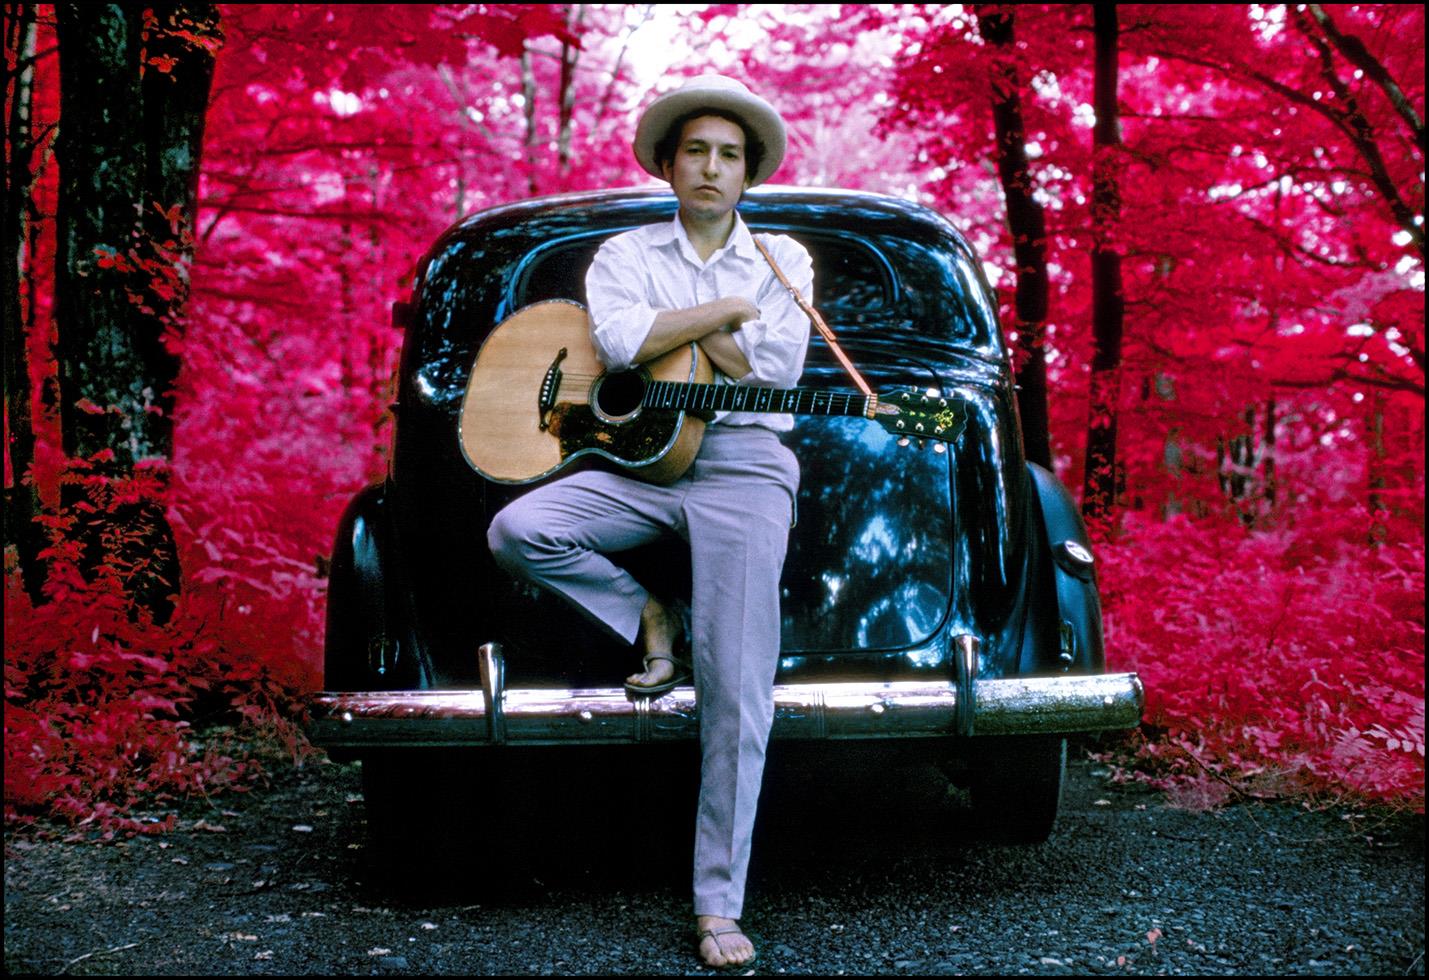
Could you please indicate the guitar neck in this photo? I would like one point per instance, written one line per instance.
(682, 396)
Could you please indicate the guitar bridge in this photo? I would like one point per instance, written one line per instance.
(550, 385)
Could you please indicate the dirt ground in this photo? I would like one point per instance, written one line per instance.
(861, 867)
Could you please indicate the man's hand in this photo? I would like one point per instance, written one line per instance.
(741, 309)
(672, 328)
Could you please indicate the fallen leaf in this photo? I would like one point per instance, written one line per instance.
(379, 951)
(1153, 935)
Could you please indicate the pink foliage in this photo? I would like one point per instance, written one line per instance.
(1267, 581)
(1274, 660)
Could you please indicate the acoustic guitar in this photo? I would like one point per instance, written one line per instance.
(539, 401)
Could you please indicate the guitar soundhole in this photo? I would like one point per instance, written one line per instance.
(616, 397)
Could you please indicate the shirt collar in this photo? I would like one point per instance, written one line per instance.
(741, 241)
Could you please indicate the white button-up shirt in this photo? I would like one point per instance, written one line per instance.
(638, 274)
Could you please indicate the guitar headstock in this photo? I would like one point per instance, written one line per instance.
(920, 414)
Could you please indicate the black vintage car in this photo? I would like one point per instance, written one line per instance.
(943, 592)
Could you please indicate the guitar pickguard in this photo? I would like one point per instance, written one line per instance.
(645, 437)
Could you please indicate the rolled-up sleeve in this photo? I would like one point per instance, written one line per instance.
(620, 316)
(775, 344)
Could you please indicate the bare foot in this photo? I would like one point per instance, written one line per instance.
(722, 943)
(659, 627)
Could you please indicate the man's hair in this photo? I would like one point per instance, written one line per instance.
(668, 144)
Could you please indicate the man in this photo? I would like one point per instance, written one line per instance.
(696, 279)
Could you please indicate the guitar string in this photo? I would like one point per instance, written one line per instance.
(736, 397)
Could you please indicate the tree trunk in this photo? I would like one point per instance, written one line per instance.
(105, 383)
(22, 498)
(1099, 492)
(1378, 529)
(1029, 234)
(133, 91)
(528, 94)
(569, 55)
(1268, 455)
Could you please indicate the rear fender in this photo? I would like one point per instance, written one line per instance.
(371, 643)
(1067, 630)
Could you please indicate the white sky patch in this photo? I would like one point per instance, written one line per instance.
(342, 103)
(1045, 84)
(661, 43)
(1268, 19)
(328, 187)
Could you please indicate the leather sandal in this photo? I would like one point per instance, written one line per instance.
(682, 675)
(714, 934)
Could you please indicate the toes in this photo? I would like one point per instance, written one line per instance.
(727, 950)
(659, 672)
(710, 954)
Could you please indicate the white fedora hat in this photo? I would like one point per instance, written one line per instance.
(712, 92)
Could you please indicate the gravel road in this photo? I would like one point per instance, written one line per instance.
(861, 867)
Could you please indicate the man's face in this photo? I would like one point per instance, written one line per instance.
(707, 173)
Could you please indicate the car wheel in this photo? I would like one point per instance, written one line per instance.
(1016, 786)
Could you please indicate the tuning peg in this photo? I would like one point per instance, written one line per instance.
(938, 447)
(932, 392)
(904, 441)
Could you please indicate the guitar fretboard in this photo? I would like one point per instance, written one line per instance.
(750, 398)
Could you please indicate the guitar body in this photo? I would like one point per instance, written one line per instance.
(530, 411)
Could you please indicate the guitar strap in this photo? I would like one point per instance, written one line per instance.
(818, 322)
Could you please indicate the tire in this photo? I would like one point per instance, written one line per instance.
(1016, 786)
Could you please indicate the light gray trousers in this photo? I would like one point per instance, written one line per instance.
(733, 506)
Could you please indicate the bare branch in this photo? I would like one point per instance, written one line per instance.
(1355, 51)
(1358, 129)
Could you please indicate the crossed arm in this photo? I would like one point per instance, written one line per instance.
(710, 324)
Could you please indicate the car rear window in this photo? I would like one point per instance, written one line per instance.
(848, 274)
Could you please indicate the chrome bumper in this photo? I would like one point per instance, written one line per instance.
(1011, 706)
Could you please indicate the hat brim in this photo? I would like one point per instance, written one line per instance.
(760, 116)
